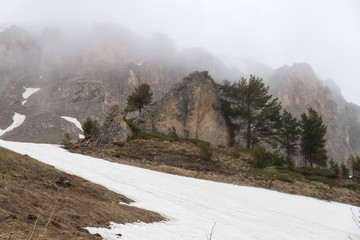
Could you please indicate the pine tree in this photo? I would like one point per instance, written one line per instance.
(87, 127)
(139, 99)
(251, 105)
(313, 140)
(289, 133)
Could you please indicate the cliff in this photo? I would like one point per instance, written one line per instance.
(191, 109)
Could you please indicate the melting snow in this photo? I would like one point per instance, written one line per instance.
(74, 121)
(140, 63)
(193, 206)
(18, 119)
(29, 91)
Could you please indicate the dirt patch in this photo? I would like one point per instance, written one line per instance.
(183, 158)
(39, 201)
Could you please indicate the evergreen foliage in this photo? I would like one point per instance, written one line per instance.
(66, 141)
(289, 133)
(139, 99)
(334, 168)
(313, 140)
(249, 104)
(354, 163)
(345, 171)
(87, 126)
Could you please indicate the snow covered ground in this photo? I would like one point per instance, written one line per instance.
(74, 121)
(18, 119)
(28, 92)
(193, 206)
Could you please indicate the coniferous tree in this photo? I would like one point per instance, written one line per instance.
(312, 139)
(251, 105)
(139, 99)
(354, 163)
(87, 127)
(289, 133)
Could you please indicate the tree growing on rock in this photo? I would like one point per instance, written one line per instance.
(90, 127)
(251, 105)
(141, 97)
(312, 139)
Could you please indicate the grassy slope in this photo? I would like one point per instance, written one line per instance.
(31, 198)
(226, 165)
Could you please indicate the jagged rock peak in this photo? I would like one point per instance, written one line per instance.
(191, 108)
(114, 129)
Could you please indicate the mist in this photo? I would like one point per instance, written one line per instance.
(274, 33)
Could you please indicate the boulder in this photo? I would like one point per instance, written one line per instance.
(191, 109)
(114, 129)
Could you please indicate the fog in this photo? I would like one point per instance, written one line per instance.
(323, 33)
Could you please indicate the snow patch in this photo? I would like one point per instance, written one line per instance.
(81, 136)
(74, 121)
(140, 63)
(23, 102)
(193, 206)
(18, 119)
(29, 91)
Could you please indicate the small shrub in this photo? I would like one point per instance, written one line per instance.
(262, 158)
(172, 134)
(284, 178)
(183, 150)
(310, 171)
(126, 154)
(345, 171)
(147, 136)
(277, 158)
(353, 186)
(334, 168)
(66, 142)
(290, 163)
(119, 144)
(234, 154)
(205, 152)
(87, 127)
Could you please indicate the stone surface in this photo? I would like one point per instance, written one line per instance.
(114, 129)
(191, 108)
(298, 88)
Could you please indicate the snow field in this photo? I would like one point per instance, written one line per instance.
(18, 119)
(29, 91)
(76, 122)
(193, 206)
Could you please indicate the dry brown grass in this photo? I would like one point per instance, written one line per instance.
(182, 158)
(34, 206)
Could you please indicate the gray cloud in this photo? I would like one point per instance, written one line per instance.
(324, 33)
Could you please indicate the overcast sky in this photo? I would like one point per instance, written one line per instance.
(323, 33)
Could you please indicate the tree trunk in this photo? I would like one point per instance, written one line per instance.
(248, 136)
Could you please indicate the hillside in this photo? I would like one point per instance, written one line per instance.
(195, 207)
(84, 74)
(229, 165)
(39, 200)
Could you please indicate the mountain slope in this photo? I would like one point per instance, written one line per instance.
(193, 206)
(298, 88)
(55, 205)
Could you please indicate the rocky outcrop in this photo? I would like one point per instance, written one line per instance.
(191, 108)
(114, 130)
(298, 88)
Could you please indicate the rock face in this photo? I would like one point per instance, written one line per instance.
(84, 74)
(114, 130)
(191, 108)
(298, 88)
